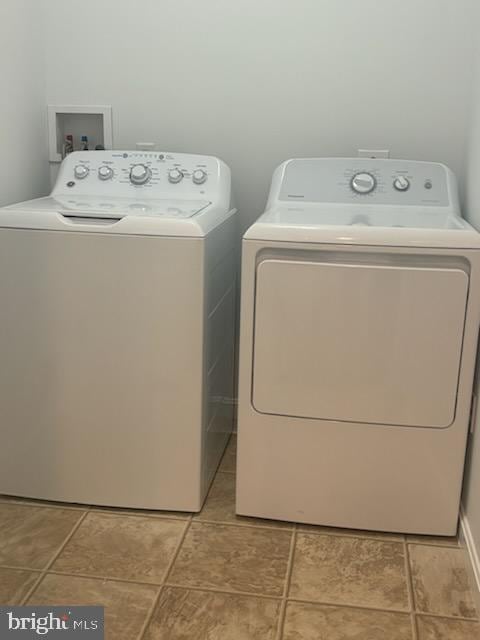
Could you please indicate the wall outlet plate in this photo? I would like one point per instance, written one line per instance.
(373, 153)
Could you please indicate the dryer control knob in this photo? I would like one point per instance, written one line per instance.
(199, 176)
(175, 175)
(81, 171)
(140, 174)
(105, 173)
(401, 183)
(363, 183)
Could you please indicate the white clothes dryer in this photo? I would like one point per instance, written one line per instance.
(117, 332)
(360, 312)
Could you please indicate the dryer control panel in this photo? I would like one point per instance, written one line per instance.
(364, 181)
(141, 174)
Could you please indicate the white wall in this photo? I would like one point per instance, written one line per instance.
(23, 150)
(471, 498)
(256, 82)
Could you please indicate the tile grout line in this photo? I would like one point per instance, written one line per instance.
(378, 538)
(411, 594)
(227, 592)
(347, 605)
(54, 557)
(129, 514)
(111, 511)
(286, 586)
(15, 567)
(270, 527)
(150, 612)
(327, 603)
(169, 568)
(424, 614)
(109, 578)
(19, 502)
(433, 543)
(177, 550)
(419, 613)
(174, 585)
(289, 527)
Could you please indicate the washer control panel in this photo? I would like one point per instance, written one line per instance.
(364, 180)
(141, 174)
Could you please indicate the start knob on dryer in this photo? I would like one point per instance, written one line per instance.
(363, 182)
(401, 183)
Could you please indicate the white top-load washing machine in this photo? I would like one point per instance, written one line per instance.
(117, 331)
(360, 313)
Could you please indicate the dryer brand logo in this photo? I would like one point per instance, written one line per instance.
(56, 622)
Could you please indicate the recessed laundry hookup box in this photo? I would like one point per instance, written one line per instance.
(92, 121)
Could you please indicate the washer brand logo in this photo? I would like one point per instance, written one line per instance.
(57, 622)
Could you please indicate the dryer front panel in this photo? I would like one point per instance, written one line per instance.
(359, 342)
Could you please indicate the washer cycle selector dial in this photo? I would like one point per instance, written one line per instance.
(81, 171)
(105, 173)
(175, 175)
(401, 183)
(140, 174)
(363, 183)
(199, 176)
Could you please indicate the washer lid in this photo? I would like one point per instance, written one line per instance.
(374, 225)
(169, 218)
(88, 206)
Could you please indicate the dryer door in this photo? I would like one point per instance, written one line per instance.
(368, 343)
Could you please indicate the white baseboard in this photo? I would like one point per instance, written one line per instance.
(467, 541)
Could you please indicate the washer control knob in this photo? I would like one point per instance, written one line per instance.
(81, 171)
(199, 176)
(105, 173)
(140, 174)
(401, 183)
(363, 183)
(175, 175)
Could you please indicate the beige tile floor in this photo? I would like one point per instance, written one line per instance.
(217, 576)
